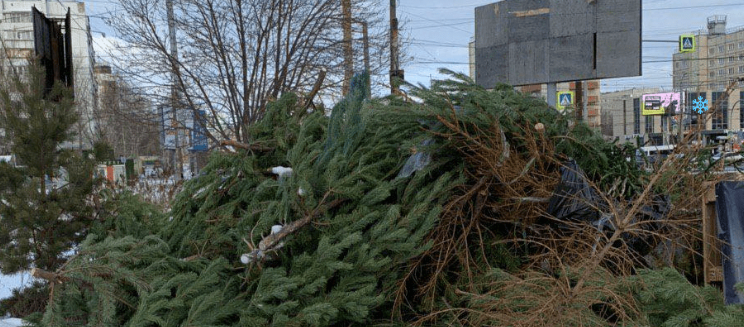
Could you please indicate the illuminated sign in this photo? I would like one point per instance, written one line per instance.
(660, 103)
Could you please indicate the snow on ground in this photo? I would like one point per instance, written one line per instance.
(11, 322)
(7, 284)
(10, 282)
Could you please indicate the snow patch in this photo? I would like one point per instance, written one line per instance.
(11, 322)
(281, 171)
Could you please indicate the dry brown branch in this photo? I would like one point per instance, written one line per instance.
(244, 146)
(575, 270)
(51, 277)
(315, 90)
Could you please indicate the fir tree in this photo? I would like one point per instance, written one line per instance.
(40, 221)
(383, 213)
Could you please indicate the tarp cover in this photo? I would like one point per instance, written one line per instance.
(730, 212)
(576, 199)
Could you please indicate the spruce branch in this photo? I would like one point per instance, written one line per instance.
(275, 240)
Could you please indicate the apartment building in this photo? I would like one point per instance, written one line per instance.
(17, 44)
(622, 118)
(591, 96)
(716, 63)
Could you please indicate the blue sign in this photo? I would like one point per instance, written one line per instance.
(700, 105)
(199, 141)
(565, 100)
(687, 43)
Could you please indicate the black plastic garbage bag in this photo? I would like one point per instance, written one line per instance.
(730, 212)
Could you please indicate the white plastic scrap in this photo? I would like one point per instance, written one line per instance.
(276, 229)
(300, 191)
(247, 258)
(281, 171)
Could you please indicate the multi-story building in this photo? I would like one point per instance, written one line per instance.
(622, 118)
(716, 63)
(591, 96)
(126, 120)
(17, 44)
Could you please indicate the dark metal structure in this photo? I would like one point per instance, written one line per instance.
(524, 42)
(53, 48)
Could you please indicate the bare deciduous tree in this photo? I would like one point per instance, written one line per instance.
(236, 55)
(125, 120)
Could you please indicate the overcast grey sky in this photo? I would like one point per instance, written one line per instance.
(437, 33)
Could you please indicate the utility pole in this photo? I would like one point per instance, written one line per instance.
(395, 72)
(579, 101)
(680, 120)
(174, 92)
(365, 38)
(625, 118)
(551, 94)
(348, 46)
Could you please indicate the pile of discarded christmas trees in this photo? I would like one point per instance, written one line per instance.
(453, 206)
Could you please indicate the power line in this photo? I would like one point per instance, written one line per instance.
(434, 21)
(448, 7)
(439, 25)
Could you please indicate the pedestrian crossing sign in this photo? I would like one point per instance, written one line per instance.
(564, 100)
(687, 43)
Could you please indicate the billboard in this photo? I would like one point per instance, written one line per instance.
(169, 127)
(199, 141)
(661, 103)
(523, 42)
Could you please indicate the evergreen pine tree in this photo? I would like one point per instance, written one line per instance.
(343, 219)
(40, 221)
(348, 225)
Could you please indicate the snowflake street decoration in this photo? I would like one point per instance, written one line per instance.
(700, 105)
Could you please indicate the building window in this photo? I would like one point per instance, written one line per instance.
(711, 50)
(731, 59)
(649, 124)
(720, 49)
(731, 71)
(19, 35)
(17, 17)
(711, 62)
(712, 74)
(720, 115)
(636, 116)
(721, 61)
(741, 69)
(731, 46)
(721, 72)
(25, 35)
